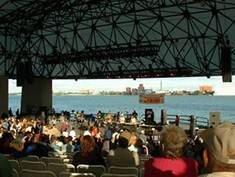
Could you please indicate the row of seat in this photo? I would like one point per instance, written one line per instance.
(57, 165)
(98, 170)
(41, 166)
(63, 159)
(59, 159)
(57, 168)
(35, 173)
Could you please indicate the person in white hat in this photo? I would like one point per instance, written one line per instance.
(219, 154)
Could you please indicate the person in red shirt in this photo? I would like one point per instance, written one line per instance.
(172, 163)
(64, 126)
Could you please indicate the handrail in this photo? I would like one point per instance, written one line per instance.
(200, 121)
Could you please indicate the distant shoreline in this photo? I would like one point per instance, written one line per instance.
(77, 94)
(124, 93)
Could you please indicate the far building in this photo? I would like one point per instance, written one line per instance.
(134, 91)
(206, 89)
(141, 88)
(128, 90)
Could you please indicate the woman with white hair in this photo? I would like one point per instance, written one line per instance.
(172, 163)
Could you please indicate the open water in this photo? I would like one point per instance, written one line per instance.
(181, 105)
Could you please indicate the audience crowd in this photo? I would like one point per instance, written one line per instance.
(109, 141)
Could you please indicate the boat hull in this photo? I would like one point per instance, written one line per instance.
(152, 99)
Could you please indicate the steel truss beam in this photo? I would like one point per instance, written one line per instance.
(116, 39)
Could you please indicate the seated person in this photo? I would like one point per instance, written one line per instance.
(89, 154)
(172, 163)
(5, 141)
(39, 146)
(219, 154)
(122, 156)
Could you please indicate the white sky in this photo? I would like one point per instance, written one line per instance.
(189, 83)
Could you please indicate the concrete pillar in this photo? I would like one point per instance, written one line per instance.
(3, 95)
(37, 95)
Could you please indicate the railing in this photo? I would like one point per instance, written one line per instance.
(200, 122)
(186, 121)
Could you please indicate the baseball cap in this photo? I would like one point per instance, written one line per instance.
(221, 143)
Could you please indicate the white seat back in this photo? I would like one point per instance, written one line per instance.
(141, 172)
(67, 174)
(15, 164)
(15, 173)
(31, 165)
(118, 175)
(97, 170)
(30, 158)
(57, 168)
(48, 160)
(8, 156)
(123, 170)
(36, 173)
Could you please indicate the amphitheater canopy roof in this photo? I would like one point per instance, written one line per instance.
(116, 38)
